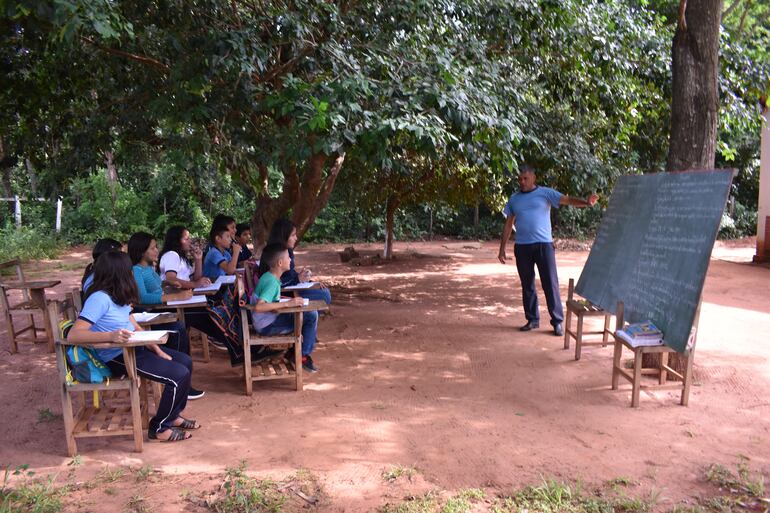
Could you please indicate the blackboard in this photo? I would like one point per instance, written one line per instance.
(653, 246)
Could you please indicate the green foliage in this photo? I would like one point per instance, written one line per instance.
(28, 495)
(29, 243)
(243, 494)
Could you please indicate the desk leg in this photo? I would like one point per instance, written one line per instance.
(8, 320)
(637, 383)
(298, 350)
(38, 297)
(616, 364)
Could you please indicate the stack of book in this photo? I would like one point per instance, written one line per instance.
(641, 334)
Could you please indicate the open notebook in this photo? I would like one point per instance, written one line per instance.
(195, 300)
(300, 286)
(149, 336)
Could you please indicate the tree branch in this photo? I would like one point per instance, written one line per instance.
(138, 58)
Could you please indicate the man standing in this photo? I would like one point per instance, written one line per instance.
(530, 210)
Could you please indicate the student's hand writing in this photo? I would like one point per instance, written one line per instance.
(296, 301)
(120, 336)
(203, 282)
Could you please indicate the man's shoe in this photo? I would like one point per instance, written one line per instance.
(194, 393)
(558, 330)
(308, 365)
(531, 325)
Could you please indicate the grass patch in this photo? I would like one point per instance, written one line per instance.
(46, 415)
(143, 473)
(746, 489)
(137, 504)
(109, 475)
(243, 494)
(396, 471)
(427, 503)
(29, 495)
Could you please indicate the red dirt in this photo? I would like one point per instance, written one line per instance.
(422, 365)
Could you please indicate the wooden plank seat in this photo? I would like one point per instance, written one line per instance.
(582, 308)
(275, 368)
(661, 370)
(112, 408)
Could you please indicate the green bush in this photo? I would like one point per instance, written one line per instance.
(27, 243)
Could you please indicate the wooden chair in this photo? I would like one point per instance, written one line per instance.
(119, 412)
(33, 301)
(581, 309)
(275, 368)
(662, 370)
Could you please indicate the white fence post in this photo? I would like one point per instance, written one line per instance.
(17, 211)
(58, 215)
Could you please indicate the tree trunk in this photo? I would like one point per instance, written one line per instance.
(476, 215)
(390, 213)
(111, 172)
(694, 92)
(305, 197)
(32, 177)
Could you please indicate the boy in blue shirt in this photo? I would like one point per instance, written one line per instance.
(266, 317)
(219, 261)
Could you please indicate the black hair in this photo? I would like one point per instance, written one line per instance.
(216, 231)
(526, 168)
(281, 231)
(221, 221)
(113, 275)
(269, 258)
(173, 242)
(102, 246)
(137, 245)
(242, 227)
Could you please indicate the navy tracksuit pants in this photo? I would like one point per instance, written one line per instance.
(543, 256)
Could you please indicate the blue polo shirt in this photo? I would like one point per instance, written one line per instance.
(533, 214)
(214, 257)
(106, 316)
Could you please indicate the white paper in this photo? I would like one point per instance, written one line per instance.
(195, 300)
(145, 316)
(209, 288)
(305, 301)
(227, 279)
(144, 336)
(300, 286)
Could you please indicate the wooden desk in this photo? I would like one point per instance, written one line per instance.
(36, 291)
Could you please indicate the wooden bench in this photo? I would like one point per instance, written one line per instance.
(661, 370)
(582, 308)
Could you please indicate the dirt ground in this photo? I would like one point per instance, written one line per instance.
(422, 365)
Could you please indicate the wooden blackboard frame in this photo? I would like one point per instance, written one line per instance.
(653, 247)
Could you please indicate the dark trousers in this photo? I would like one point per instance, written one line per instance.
(541, 255)
(175, 374)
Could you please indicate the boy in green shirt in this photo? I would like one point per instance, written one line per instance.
(266, 315)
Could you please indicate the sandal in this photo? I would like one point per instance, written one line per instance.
(188, 424)
(177, 435)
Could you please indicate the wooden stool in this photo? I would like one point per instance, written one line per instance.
(583, 308)
(662, 371)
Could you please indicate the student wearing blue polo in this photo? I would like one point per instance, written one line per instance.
(529, 210)
(219, 261)
(106, 317)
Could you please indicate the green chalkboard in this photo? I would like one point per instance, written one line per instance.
(653, 246)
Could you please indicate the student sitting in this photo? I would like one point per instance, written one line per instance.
(213, 320)
(143, 251)
(175, 268)
(267, 317)
(101, 246)
(284, 232)
(106, 317)
(243, 237)
(219, 261)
